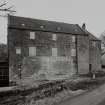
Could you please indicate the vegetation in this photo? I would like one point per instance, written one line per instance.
(102, 38)
(49, 89)
(3, 51)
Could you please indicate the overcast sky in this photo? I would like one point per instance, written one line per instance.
(70, 11)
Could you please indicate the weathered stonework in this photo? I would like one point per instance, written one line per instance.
(95, 55)
(62, 63)
(71, 44)
(83, 54)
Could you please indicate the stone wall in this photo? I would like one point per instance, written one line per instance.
(63, 63)
(83, 54)
(95, 55)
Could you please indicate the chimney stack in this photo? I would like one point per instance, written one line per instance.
(84, 26)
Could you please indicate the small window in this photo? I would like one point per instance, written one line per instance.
(18, 50)
(32, 35)
(73, 39)
(54, 37)
(42, 27)
(76, 30)
(32, 51)
(54, 51)
(23, 24)
(73, 52)
(93, 43)
(58, 28)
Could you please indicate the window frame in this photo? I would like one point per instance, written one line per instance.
(54, 52)
(32, 35)
(73, 38)
(54, 36)
(18, 50)
(73, 52)
(32, 54)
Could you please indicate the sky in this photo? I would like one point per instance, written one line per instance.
(90, 12)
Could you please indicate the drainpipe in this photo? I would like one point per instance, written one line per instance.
(76, 54)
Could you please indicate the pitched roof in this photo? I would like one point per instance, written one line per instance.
(91, 36)
(103, 59)
(43, 25)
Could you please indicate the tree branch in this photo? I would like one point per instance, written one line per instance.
(3, 4)
(7, 10)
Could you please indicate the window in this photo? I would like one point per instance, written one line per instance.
(32, 51)
(73, 39)
(58, 28)
(23, 24)
(42, 27)
(93, 43)
(32, 35)
(54, 37)
(73, 52)
(18, 50)
(54, 51)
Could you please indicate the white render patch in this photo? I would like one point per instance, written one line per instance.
(3, 28)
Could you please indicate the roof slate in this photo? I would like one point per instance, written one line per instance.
(44, 25)
(92, 37)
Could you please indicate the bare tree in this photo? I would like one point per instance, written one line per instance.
(5, 8)
(102, 38)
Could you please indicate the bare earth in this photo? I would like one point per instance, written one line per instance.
(95, 97)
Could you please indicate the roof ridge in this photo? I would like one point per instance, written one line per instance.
(42, 20)
(51, 26)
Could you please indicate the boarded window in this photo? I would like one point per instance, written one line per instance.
(73, 39)
(32, 51)
(32, 35)
(54, 37)
(54, 51)
(73, 52)
(18, 50)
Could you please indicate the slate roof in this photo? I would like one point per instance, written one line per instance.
(91, 36)
(44, 25)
